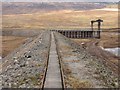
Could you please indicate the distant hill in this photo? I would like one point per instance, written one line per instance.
(30, 7)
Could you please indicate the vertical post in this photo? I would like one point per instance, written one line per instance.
(70, 34)
(92, 25)
(91, 34)
(99, 24)
(85, 34)
(82, 35)
(75, 34)
(98, 34)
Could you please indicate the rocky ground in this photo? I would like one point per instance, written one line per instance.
(26, 65)
(96, 48)
(81, 69)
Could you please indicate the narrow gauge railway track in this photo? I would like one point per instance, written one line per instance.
(53, 71)
(27, 63)
(53, 76)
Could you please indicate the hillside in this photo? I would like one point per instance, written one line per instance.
(64, 19)
(29, 7)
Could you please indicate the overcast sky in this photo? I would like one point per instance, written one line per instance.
(60, 0)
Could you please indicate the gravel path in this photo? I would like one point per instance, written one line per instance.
(81, 70)
(26, 67)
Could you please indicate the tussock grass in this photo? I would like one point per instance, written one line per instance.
(9, 43)
(66, 47)
(75, 83)
(64, 19)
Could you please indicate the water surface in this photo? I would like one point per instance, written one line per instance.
(115, 51)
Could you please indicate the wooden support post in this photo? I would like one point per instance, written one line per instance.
(84, 34)
(92, 25)
(98, 34)
(64, 33)
(75, 34)
(61, 32)
(69, 34)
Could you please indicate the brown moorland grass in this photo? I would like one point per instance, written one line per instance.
(64, 19)
(107, 40)
(9, 43)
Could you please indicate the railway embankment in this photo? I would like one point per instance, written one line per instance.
(34, 64)
(81, 69)
(25, 67)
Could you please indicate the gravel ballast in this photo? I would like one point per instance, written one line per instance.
(25, 67)
(81, 69)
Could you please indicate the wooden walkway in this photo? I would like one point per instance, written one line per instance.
(53, 76)
(79, 33)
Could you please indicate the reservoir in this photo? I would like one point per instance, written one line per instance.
(115, 51)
